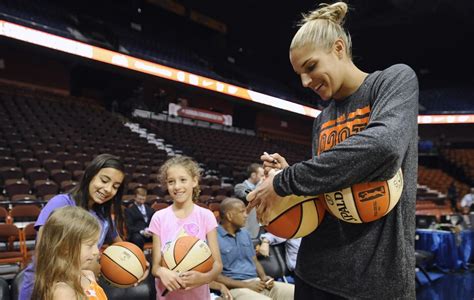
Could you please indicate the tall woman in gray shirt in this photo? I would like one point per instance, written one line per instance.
(366, 133)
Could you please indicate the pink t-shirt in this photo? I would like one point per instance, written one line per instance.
(168, 227)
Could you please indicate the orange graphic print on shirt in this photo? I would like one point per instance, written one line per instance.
(95, 292)
(335, 131)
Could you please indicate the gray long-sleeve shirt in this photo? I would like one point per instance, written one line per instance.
(365, 137)
(240, 191)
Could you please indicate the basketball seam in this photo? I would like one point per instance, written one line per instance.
(301, 219)
(174, 254)
(110, 282)
(356, 204)
(119, 267)
(143, 267)
(210, 256)
(389, 197)
(283, 212)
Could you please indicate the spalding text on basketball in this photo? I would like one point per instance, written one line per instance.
(341, 206)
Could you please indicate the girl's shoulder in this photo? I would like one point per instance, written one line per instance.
(62, 290)
(163, 212)
(61, 200)
(57, 201)
(199, 209)
(203, 212)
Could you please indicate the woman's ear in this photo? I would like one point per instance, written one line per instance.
(339, 48)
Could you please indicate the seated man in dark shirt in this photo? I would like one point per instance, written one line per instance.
(137, 218)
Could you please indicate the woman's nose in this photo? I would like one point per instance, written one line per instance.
(305, 80)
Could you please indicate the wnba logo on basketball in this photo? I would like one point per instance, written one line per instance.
(124, 256)
(365, 202)
(372, 194)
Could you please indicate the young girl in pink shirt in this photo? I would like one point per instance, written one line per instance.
(181, 176)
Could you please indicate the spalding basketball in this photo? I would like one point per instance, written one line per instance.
(187, 253)
(122, 264)
(295, 216)
(365, 202)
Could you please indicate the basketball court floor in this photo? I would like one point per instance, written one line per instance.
(451, 286)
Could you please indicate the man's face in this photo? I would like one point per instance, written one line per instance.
(257, 176)
(140, 198)
(238, 215)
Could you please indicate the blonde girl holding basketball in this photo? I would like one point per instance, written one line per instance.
(181, 176)
(63, 254)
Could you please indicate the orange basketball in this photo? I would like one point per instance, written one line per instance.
(187, 253)
(296, 216)
(365, 202)
(122, 264)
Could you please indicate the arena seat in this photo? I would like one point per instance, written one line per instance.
(7, 161)
(141, 178)
(204, 198)
(4, 216)
(8, 234)
(157, 206)
(23, 153)
(28, 163)
(24, 213)
(52, 164)
(44, 155)
(4, 151)
(59, 175)
(73, 165)
(15, 187)
(45, 187)
(29, 236)
(67, 185)
(22, 199)
(4, 289)
(8, 173)
(34, 174)
(155, 189)
(77, 175)
(151, 199)
(16, 284)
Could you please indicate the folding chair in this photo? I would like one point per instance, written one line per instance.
(8, 234)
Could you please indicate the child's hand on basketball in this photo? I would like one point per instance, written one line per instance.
(193, 279)
(171, 279)
(263, 198)
(145, 274)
